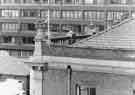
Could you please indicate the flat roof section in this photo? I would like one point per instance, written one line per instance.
(12, 66)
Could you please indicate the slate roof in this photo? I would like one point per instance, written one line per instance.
(12, 66)
(121, 37)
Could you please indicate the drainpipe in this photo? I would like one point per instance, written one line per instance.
(28, 85)
(69, 77)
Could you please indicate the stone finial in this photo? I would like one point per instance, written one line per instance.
(39, 40)
(39, 35)
(41, 26)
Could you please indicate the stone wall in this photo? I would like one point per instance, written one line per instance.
(55, 82)
(106, 84)
(77, 52)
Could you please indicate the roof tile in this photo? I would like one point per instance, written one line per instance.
(119, 37)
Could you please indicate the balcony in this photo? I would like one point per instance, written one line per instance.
(70, 7)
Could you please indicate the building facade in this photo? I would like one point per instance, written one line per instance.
(14, 75)
(100, 65)
(18, 17)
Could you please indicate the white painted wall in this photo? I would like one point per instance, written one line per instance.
(11, 87)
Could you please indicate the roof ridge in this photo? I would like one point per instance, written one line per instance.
(106, 30)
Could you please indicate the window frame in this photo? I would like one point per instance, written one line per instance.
(90, 89)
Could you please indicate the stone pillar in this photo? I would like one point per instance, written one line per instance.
(38, 43)
(37, 79)
(60, 27)
(82, 29)
(13, 40)
(69, 77)
(63, 1)
(105, 20)
(1, 39)
(39, 38)
(18, 40)
(83, 2)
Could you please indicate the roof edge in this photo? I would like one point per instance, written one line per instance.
(105, 31)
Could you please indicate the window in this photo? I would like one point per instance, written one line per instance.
(100, 2)
(115, 1)
(28, 40)
(78, 1)
(45, 1)
(6, 1)
(100, 15)
(14, 53)
(9, 27)
(54, 27)
(131, 1)
(66, 27)
(72, 14)
(101, 27)
(30, 13)
(37, 1)
(77, 14)
(58, 1)
(44, 13)
(7, 39)
(26, 53)
(9, 13)
(28, 27)
(89, 1)
(92, 14)
(85, 90)
(17, 1)
(31, 26)
(28, 1)
(117, 16)
(10, 1)
(20, 53)
(68, 1)
(133, 91)
(24, 26)
(55, 14)
(123, 1)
